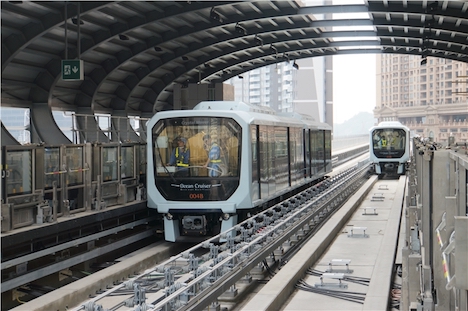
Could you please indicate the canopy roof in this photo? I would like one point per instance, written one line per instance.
(134, 52)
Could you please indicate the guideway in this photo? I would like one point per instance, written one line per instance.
(209, 275)
(348, 265)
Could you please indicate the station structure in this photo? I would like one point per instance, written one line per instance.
(126, 59)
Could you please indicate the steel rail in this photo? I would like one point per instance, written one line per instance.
(230, 278)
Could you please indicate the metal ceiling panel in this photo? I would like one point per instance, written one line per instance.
(136, 51)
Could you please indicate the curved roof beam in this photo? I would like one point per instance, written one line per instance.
(38, 26)
(111, 62)
(134, 78)
(413, 35)
(239, 65)
(127, 54)
(450, 31)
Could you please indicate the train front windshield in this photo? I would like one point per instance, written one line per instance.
(197, 158)
(389, 143)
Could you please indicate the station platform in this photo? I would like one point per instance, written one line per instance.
(47, 250)
(71, 222)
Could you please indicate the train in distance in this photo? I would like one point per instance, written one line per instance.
(211, 167)
(389, 148)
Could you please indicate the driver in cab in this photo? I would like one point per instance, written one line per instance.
(180, 157)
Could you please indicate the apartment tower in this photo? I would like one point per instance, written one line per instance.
(428, 95)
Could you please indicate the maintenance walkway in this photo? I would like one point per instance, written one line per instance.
(350, 263)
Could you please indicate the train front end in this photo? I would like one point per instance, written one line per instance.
(194, 161)
(390, 148)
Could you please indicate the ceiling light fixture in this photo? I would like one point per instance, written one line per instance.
(424, 60)
(258, 40)
(241, 30)
(75, 21)
(215, 15)
(295, 65)
(434, 6)
(274, 49)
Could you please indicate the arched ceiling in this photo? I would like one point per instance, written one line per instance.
(135, 51)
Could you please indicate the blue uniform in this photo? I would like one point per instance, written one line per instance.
(215, 161)
(180, 157)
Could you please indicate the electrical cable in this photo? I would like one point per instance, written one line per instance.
(352, 279)
(344, 295)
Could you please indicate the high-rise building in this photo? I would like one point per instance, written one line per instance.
(16, 121)
(270, 86)
(303, 86)
(430, 96)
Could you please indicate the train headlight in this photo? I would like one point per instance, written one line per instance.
(169, 216)
(226, 216)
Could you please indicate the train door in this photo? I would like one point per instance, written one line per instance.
(307, 153)
(254, 137)
(315, 160)
(320, 145)
(296, 156)
(263, 161)
(293, 158)
(327, 148)
(271, 160)
(280, 158)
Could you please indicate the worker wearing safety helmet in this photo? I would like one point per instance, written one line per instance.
(180, 157)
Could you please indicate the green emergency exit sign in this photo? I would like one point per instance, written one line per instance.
(72, 69)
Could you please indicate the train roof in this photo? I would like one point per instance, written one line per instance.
(233, 105)
(306, 119)
(389, 124)
(248, 112)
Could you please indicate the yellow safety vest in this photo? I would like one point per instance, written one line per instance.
(215, 160)
(180, 161)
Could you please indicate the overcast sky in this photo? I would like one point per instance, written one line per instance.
(353, 85)
(353, 75)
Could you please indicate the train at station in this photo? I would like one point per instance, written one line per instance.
(211, 167)
(389, 148)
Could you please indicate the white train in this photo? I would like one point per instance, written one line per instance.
(209, 167)
(390, 148)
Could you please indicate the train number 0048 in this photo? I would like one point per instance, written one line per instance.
(195, 196)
